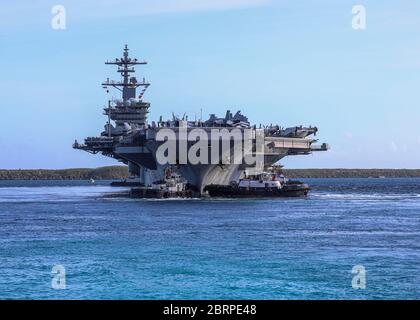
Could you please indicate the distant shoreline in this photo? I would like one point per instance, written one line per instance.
(121, 172)
(352, 173)
(101, 173)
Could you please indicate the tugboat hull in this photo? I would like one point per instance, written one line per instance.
(223, 191)
(126, 184)
(148, 193)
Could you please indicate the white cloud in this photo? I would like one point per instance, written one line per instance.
(29, 12)
(106, 8)
(164, 6)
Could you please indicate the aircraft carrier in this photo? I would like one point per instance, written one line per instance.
(130, 138)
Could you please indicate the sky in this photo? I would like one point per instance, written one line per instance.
(282, 62)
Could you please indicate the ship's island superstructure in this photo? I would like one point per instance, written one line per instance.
(131, 139)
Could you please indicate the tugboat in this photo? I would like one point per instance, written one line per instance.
(129, 182)
(265, 185)
(173, 186)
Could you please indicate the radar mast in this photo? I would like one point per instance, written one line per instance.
(128, 85)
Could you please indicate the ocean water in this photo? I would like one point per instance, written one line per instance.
(117, 248)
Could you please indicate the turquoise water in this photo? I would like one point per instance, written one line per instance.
(119, 248)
